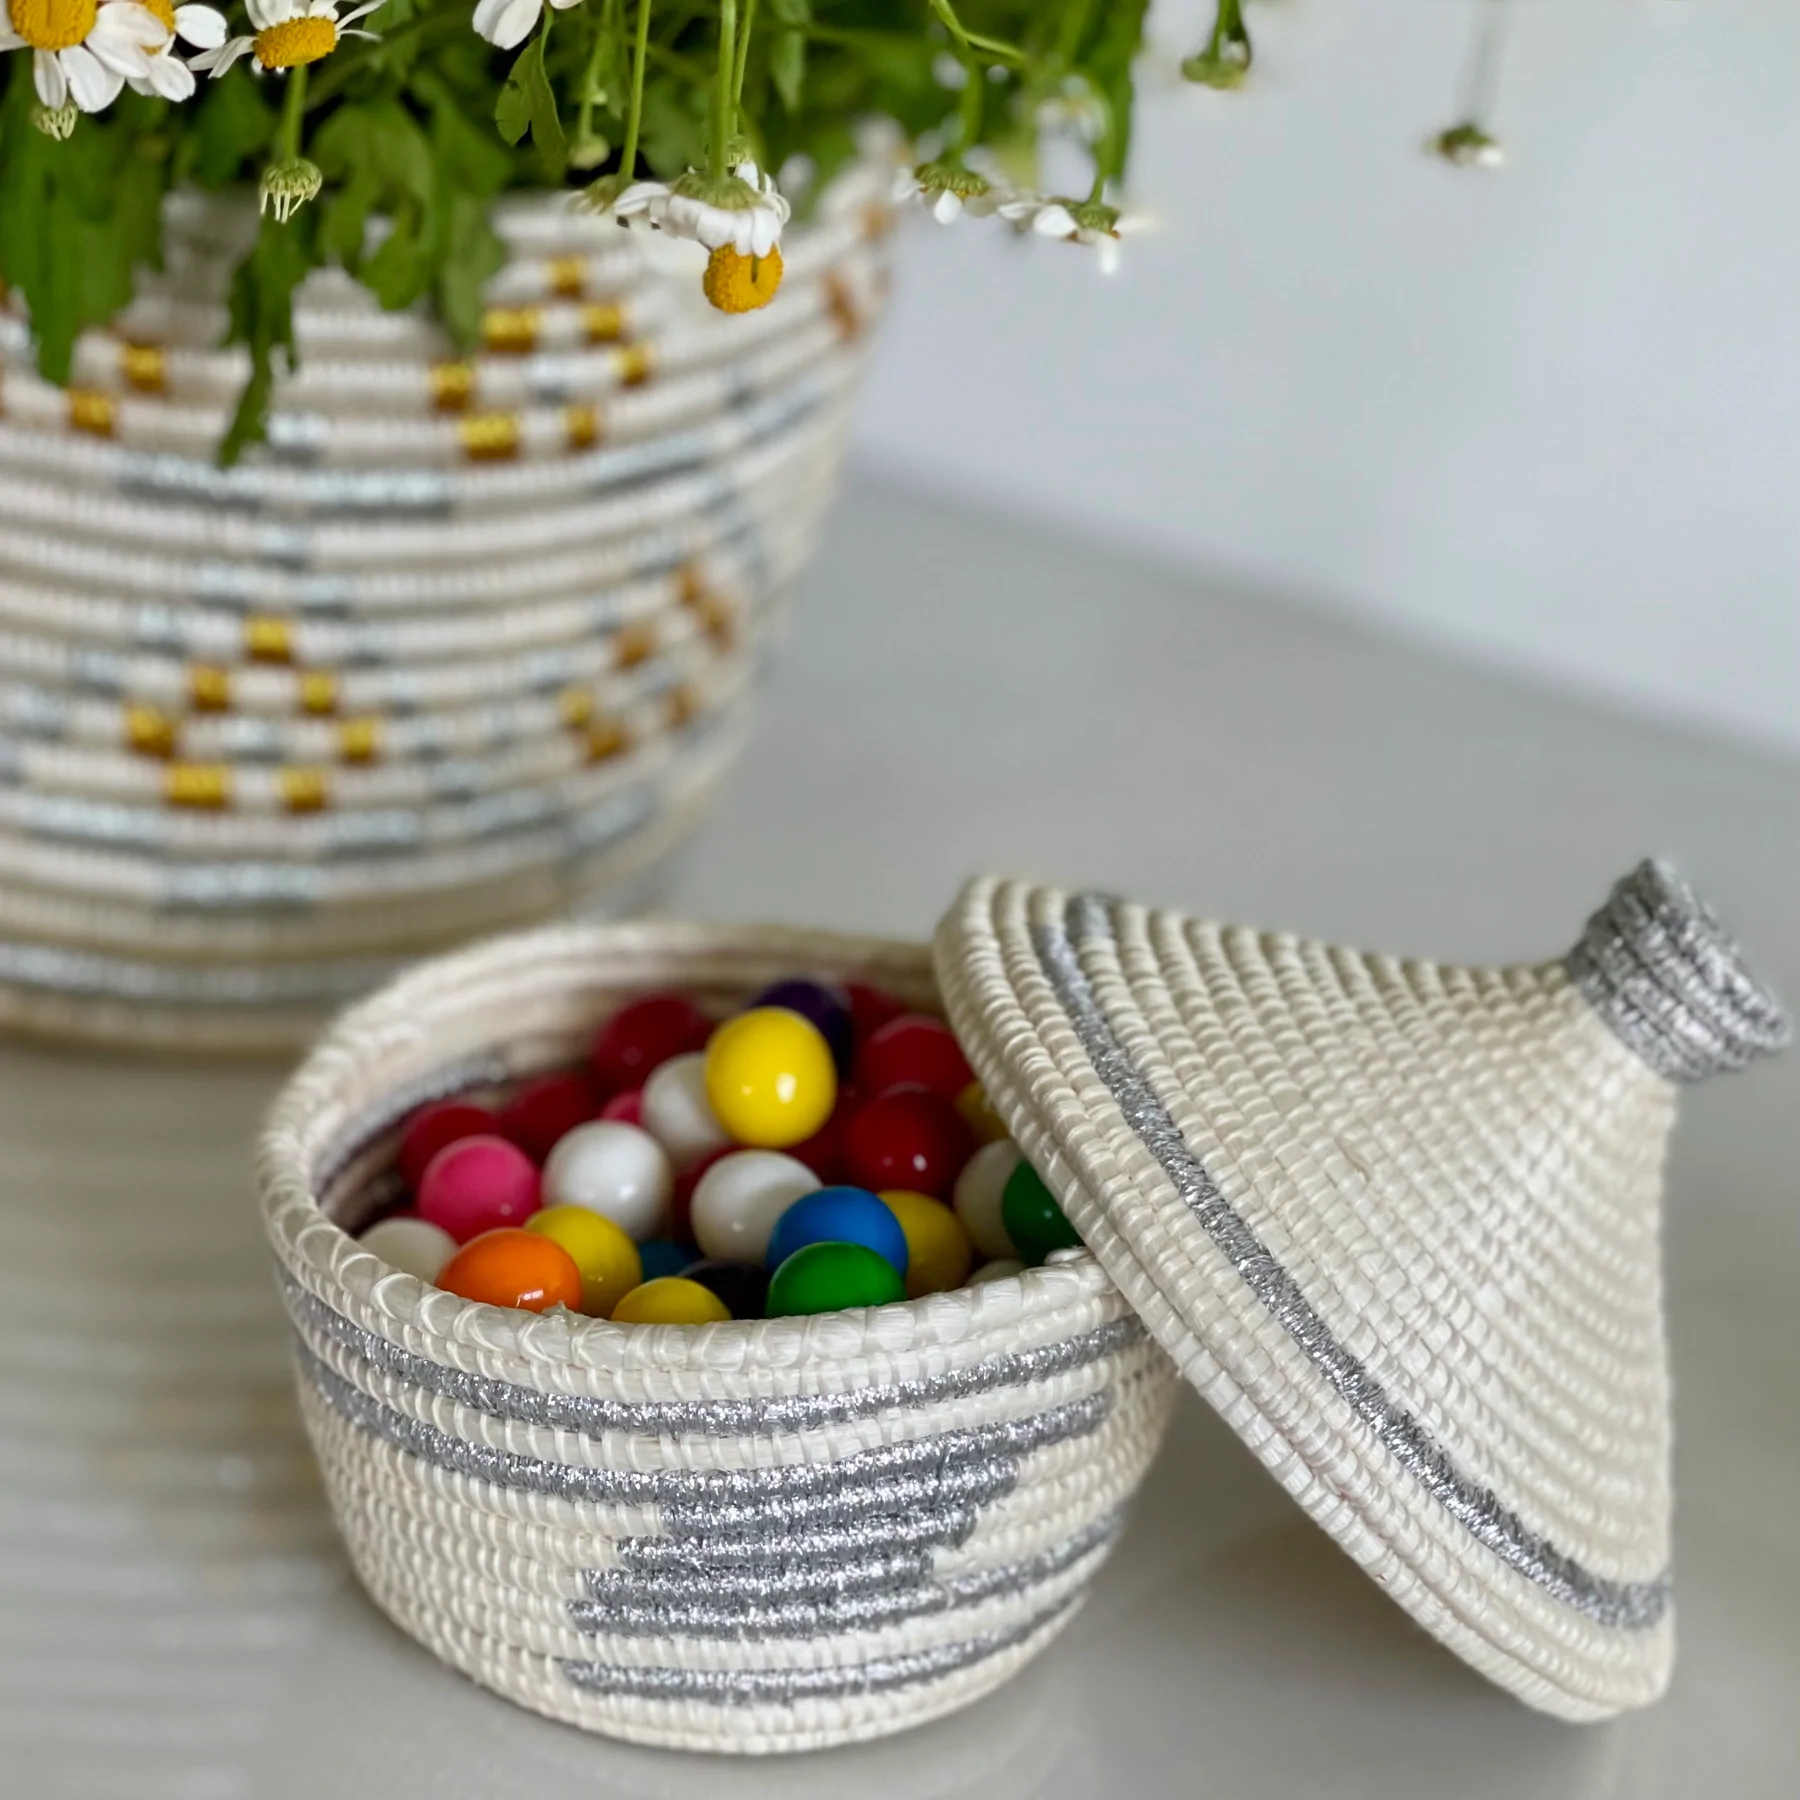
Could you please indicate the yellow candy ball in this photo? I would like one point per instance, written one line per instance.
(770, 1077)
(938, 1251)
(671, 1300)
(978, 1113)
(605, 1256)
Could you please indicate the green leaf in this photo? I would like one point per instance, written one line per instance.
(233, 126)
(787, 50)
(262, 319)
(528, 100)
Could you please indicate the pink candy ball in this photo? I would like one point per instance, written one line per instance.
(478, 1184)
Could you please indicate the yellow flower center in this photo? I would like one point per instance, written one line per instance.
(738, 284)
(295, 41)
(52, 24)
(162, 11)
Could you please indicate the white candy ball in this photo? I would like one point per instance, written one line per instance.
(415, 1245)
(613, 1169)
(998, 1270)
(979, 1191)
(678, 1114)
(738, 1200)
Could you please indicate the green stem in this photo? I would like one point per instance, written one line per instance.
(971, 41)
(743, 62)
(721, 125)
(634, 113)
(346, 64)
(1228, 28)
(584, 118)
(974, 96)
(293, 107)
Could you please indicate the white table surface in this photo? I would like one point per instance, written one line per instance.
(176, 1621)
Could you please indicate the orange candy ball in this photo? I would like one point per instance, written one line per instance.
(512, 1267)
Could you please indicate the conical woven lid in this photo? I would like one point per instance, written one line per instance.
(1398, 1222)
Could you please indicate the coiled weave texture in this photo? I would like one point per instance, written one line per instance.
(470, 642)
(753, 1537)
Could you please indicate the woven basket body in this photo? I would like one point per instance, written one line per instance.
(468, 643)
(755, 1536)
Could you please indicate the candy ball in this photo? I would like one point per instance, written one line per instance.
(870, 1008)
(663, 1256)
(644, 1035)
(829, 1277)
(770, 1077)
(606, 1258)
(1032, 1217)
(415, 1245)
(979, 1191)
(938, 1252)
(544, 1110)
(434, 1126)
(739, 1199)
(1002, 1268)
(914, 1047)
(681, 1207)
(742, 1286)
(977, 1112)
(513, 1268)
(839, 1215)
(478, 1184)
(678, 1114)
(905, 1138)
(626, 1108)
(823, 1151)
(670, 1300)
(821, 1003)
(615, 1170)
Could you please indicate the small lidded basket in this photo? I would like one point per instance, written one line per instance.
(1397, 1221)
(752, 1536)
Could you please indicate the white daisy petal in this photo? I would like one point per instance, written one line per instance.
(947, 207)
(264, 13)
(125, 22)
(92, 85)
(216, 62)
(358, 12)
(201, 26)
(507, 23)
(1054, 220)
(171, 77)
(1108, 249)
(47, 76)
(9, 39)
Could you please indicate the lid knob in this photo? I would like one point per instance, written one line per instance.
(1665, 975)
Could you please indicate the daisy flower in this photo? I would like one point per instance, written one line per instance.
(82, 51)
(742, 209)
(946, 190)
(289, 34)
(201, 26)
(1090, 222)
(507, 23)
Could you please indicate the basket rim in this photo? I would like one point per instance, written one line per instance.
(335, 1082)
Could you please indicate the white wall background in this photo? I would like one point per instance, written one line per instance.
(1549, 414)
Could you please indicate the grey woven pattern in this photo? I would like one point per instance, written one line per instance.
(1669, 980)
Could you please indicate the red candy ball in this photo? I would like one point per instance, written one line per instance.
(626, 1108)
(870, 1009)
(906, 1138)
(434, 1126)
(478, 1184)
(544, 1110)
(644, 1035)
(681, 1202)
(913, 1048)
(823, 1152)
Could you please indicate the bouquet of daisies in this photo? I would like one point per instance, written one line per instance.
(377, 132)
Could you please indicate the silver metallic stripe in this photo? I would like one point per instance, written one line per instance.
(783, 1687)
(723, 1554)
(1633, 1605)
(1663, 973)
(964, 1467)
(715, 1418)
(757, 1612)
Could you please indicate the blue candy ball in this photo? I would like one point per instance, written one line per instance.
(839, 1215)
(820, 1003)
(663, 1256)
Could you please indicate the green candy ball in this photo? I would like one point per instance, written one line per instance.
(829, 1277)
(1033, 1220)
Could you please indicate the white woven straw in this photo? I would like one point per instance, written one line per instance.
(1398, 1222)
(470, 633)
(749, 1537)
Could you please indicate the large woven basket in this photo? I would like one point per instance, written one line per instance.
(469, 643)
(744, 1537)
